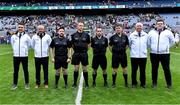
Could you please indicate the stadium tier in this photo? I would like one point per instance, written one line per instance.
(49, 5)
(9, 23)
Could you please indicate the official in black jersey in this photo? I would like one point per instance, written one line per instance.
(118, 44)
(80, 41)
(60, 50)
(99, 44)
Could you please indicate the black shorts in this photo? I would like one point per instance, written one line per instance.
(99, 60)
(61, 61)
(80, 57)
(119, 59)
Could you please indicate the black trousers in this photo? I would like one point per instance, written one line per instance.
(165, 60)
(141, 63)
(16, 64)
(44, 62)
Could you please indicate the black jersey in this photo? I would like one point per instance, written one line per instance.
(80, 42)
(119, 43)
(61, 46)
(99, 45)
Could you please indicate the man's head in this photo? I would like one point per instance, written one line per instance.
(99, 31)
(21, 27)
(80, 27)
(41, 29)
(119, 29)
(138, 27)
(160, 24)
(61, 32)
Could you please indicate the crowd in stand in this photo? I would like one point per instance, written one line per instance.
(8, 24)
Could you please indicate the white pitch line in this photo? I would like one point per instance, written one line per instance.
(5, 53)
(80, 91)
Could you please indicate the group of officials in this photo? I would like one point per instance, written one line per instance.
(159, 40)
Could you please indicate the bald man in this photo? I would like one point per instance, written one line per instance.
(40, 44)
(138, 52)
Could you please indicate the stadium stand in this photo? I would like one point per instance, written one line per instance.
(8, 23)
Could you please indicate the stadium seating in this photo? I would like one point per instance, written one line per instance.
(69, 22)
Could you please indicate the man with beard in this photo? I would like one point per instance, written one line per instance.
(60, 55)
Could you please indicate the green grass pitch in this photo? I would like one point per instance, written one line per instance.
(97, 95)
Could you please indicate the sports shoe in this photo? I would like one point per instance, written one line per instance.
(46, 86)
(14, 87)
(74, 85)
(26, 86)
(37, 86)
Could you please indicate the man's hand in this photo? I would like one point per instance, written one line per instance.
(52, 60)
(68, 60)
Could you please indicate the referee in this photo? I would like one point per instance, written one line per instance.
(118, 44)
(80, 41)
(40, 44)
(99, 44)
(160, 40)
(138, 51)
(20, 43)
(60, 51)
